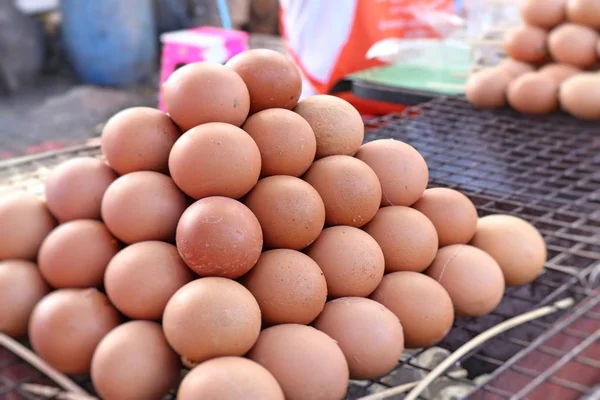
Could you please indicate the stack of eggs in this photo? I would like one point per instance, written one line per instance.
(265, 248)
(553, 62)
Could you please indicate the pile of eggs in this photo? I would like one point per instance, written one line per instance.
(553, 62)
(266, 249)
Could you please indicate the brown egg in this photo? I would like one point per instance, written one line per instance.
(217, 236)
(289, 210)
(143, 206)
(230, 378)
(273, 79)
(369, 334)
(559, 72)
(573, 44)
(212, 317)
(204, 92)
(423, 306)
(21, 288)
(472, 278)
(584, 12)
(580, 96)
(337, 125)
(286, 141)
(515, 244)
(515, 68)
(141, 279)
(139, 139)
(526, 43)
(307, 363)
(134, 362)
(451, 212)
(349, 188)
(67, 325)
(215, 159)
(288, 286)
(407, 237)
(543, 13)
(487, 88)
(533, 93)
(25, 222)
(401, 170)
(351, 260)
(75, 188)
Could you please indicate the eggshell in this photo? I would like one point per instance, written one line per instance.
(584, 12)
(211, 317)
(580, 96)
(487, 88)
(515, 244)
(230, 378)
(451, 212)
(349, 188)
(217, 236)
(143, 206)
(407, 237)
(286, 141)
(203, 92)
(402, 171)
(134, 362)
(423, 306)
(472, 278)
(559, 72)
(141, 278)
(573, 44)
(74, 189)
(515, 68)
(351, 260)
(21, 288)
(307, 363)
(288, 286)
(67, 325)
(273, 79)
(369, 334)
(533, 93)
(215, 159)
(526, 43)
(543, 13)
(289, 210)
(337, 125)
(25, 222)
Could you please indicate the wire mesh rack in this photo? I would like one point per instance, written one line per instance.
(546, 170)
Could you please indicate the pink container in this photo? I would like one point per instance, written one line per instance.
(205, 43)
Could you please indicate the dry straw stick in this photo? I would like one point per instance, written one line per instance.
(53, 393)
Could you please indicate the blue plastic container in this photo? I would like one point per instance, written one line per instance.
(110, 42)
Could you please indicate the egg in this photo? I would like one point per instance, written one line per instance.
(273, 80)
(134, 362)
(533, 93)
(515, 68)
(559, 72)
(218, 236)
(285, 140)
(526, 43)
(74, 189)
(141, 278)
(21, 288)
(580, 96)
(306, 362)
(203, 92)
(67, 325)
(351, 260)
(211, 317)
(142, 206)
(515, 244)
(584, 12)
(25, 222)
(402, 171)
(472, 278)
(338, 127)
(573, 44)
(139, 139)
(451, 212)
(290, 211)
(422, 305)
(369, 334)
(350, 189)
(487, 88)
(230, 378)
(288, 286)
(543, 13)
(407, 238)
